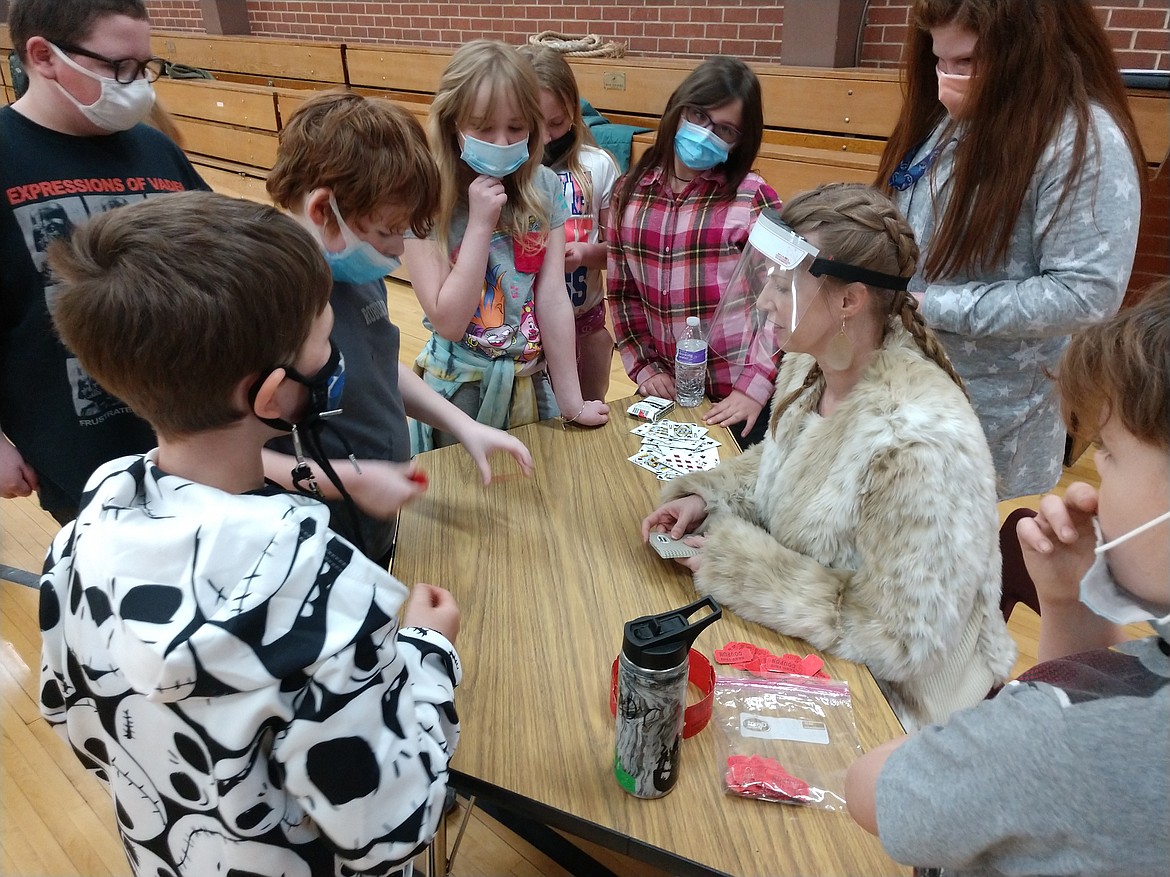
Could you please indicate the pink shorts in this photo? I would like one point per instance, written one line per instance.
(592, 320)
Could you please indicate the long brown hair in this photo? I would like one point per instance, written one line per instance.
(858, 225)
(1034, 62)
(717, 81)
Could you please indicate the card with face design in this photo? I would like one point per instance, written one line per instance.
(652, 463)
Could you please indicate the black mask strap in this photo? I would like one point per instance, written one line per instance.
(306, 437)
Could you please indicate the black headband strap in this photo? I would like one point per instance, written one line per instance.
(853, 273)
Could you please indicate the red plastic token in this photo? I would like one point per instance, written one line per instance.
(419, 477)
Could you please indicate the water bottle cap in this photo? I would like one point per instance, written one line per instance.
(661, 642)
(692, 321)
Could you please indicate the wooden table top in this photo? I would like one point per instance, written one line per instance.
(546, 572)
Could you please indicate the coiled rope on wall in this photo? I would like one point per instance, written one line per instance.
(588, 46)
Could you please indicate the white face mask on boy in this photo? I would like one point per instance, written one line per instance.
(119, 107)
(1108, 599)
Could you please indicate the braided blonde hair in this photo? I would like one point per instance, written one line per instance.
(858, 225)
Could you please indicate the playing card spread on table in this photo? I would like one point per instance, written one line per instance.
(653, 463)
(669, 429)
(670, 448)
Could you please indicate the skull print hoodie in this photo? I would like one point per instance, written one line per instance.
(234, 672)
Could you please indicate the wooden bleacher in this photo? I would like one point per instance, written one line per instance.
(820, 124)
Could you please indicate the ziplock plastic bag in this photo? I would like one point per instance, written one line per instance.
(788, 738)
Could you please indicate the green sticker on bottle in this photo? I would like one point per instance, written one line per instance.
(626, 781)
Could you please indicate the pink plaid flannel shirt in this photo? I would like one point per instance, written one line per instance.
(670, 257)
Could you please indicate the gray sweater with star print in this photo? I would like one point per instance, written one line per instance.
(1003, 330)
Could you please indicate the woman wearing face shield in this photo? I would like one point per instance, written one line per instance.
(865, 523)
(1017, 163)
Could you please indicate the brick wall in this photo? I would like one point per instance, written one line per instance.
(1153, 254)
(1138, 29)
(751, 29)
(175, 14)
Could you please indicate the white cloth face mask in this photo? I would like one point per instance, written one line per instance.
(1101, 593)
(119, 107)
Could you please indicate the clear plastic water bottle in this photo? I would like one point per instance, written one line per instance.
(690, 365)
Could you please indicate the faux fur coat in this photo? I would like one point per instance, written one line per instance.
(872, 534)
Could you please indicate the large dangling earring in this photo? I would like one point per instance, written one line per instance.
(839, 353)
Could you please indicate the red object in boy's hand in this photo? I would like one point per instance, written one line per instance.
(419, 477)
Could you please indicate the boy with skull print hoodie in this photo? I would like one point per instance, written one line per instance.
(230, 667)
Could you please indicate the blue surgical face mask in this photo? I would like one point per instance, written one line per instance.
(698, 148)
(492, 160)
(359, 261)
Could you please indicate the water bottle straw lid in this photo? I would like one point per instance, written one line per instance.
(661, 642)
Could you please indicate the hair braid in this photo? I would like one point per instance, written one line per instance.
(814, 375)
(906, 306)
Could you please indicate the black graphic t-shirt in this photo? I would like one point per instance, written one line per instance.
(62, 422)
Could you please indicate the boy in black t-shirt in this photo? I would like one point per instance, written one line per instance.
(71, 147)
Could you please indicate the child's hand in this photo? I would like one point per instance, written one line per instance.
(660, 384)
(736, 408)
(481, 441)
(17, 477)
(575, 254)
(593, 413)
(432, 607)
(382, 488)
(485, 199)
(677, 517)
(1058, 543)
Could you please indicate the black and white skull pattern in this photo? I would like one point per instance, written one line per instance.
(234, 671)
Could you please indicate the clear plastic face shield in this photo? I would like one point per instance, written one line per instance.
(777, 279)
(768, 293)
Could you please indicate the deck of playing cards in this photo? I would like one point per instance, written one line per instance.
(670, 448)
(650, 408)
(669, 548)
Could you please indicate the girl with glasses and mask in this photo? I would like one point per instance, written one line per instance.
(680, 218)
(587, 174)
(1017, 163)
(491, 275)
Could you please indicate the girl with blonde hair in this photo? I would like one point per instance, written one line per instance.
(490, 278)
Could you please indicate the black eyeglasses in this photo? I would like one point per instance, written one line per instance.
(727, 133)
(126, 70)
